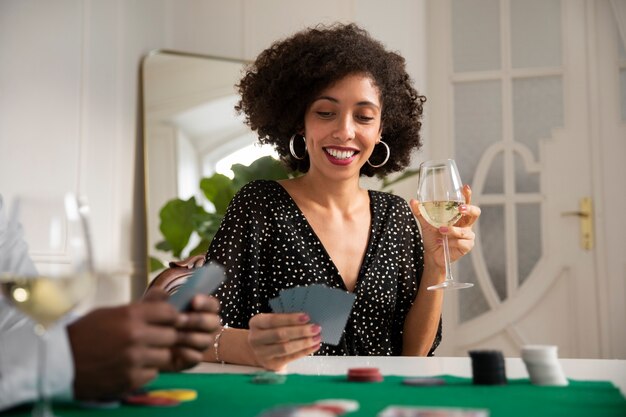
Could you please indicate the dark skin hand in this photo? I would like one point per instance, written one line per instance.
(117, 350)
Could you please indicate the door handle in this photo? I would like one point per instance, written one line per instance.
(585, 214)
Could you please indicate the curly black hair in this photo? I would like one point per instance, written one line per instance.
(279, 86)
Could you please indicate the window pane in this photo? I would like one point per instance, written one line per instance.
(476, 35)
(472, 303)
(494, 184)
(477, 123)
(537, 109)
(524, 182)
(528, 239)
(535, 33)
(493, 241)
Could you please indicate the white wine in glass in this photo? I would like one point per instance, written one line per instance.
(59, 232)
(440, 195)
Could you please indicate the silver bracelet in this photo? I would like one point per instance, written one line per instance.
(216, 345)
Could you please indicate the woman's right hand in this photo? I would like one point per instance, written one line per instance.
(277, 339)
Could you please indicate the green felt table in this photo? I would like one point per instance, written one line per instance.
(235, 395)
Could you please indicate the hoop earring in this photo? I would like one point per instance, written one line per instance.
(291, 149)
(386, 158)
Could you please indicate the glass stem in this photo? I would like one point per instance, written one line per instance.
(42, 407)
(446, 257)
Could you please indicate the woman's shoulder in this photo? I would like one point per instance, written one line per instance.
(390, 206)
(383, 198)
(258, 195)
(256, 189)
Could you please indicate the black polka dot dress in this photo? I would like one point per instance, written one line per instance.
(266, 244)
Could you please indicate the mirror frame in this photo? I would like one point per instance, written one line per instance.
(144, 87)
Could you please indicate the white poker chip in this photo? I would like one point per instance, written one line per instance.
(543, 365)
(308, 412)
(348, 405)
(539, 353)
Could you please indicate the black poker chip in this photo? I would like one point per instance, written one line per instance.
(488, 367)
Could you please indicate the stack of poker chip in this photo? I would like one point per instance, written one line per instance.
(364, 375)
(543, 365)
(488, 367)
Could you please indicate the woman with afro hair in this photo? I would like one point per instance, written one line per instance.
(336, 105)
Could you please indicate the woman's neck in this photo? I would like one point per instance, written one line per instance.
(345, 196)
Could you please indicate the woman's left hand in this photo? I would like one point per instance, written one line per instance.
(460, 236)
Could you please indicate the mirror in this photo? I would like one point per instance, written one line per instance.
(190, 129)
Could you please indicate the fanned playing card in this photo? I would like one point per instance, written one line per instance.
(277, 305)
(327, 307)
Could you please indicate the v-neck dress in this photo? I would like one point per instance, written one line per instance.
(266, 245)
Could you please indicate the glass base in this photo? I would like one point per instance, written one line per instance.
(450, 285)
(42, 408)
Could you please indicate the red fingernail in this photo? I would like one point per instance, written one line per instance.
(316, 328)
(317, 338)
(304, 318)
(463, 208)
(443, 229)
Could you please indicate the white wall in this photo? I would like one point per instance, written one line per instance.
(69, 88)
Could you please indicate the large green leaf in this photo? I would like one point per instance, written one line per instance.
(206, 226)
(178, 222)
(219, 190)
(155, 264)
(266, 168)
(180, 218)
(202, 247)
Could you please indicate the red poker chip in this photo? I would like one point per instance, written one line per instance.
(151, 401)
(367, 378)
(333, 409)
(363, 371)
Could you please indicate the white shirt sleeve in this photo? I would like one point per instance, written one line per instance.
(18, 341)
(19, 360)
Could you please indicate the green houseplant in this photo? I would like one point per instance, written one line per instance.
(179, 219)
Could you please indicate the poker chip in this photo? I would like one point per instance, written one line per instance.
(488, 367)
(334, 409)
(311, 411)
(150, 401)
(348, 406)
(364, 375)
(175, 394)
(103, 405)
(268, 378)
(281, 411)
(543, 365)
(423, 382)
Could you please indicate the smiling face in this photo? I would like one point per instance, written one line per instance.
(342, 126)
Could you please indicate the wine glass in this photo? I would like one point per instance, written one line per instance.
(439, 192)
(56, 232)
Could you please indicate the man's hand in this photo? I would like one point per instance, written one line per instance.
(196, 332)
(119, 349)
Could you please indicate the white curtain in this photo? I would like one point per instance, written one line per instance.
(619, 11)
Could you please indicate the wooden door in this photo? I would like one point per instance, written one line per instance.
(509, 99)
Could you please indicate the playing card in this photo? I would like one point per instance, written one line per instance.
(277, 306)
(299, 295)
(205, 280)
(286, 298)
(330, 308)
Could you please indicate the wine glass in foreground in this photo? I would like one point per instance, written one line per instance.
(439, 193)
(56, 231)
